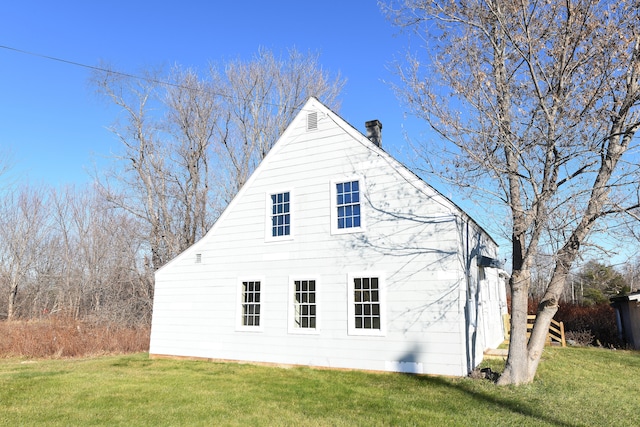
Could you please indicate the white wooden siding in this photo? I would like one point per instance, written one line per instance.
(412, 236)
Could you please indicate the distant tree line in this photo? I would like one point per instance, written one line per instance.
(594, 282)
(189, 141)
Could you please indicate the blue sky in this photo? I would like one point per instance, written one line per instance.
(55, 125)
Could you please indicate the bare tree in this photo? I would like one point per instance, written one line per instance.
(536, 103)
(191, 119)
(99, 272)
(190, 143)
(138, 182)
(261, 98)
(24, 228)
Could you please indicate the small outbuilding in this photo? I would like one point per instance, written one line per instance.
(628, 318)
(333, 254)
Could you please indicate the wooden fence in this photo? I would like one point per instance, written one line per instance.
(555, 335)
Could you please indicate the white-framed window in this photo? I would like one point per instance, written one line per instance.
(250, 304)
(347, 215)
(303, 305)
(279, 208)
(366, 301)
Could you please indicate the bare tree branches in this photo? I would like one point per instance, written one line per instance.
(65, 251)
(189, 146)
(188, 143)
(539, 105)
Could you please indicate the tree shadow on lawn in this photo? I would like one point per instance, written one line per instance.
(514, 406)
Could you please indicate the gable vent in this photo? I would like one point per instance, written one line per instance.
(312, 121)
(198, 258)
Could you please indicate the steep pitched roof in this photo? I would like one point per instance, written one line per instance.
(314, 105)
(405, 172)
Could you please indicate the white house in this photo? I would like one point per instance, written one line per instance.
(333, 254)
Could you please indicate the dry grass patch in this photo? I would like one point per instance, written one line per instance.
(64, 337)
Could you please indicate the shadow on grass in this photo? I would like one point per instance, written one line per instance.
(514, 406)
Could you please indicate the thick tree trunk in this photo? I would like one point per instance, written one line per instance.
(516, 368)
(538, 338)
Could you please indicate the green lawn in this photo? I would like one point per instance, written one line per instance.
(574, 387)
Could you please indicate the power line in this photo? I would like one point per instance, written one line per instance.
(128, 75)
(101, 69)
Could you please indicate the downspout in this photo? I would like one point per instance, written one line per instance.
(619, 322)
(467, 306)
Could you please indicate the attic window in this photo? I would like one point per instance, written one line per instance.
(312, 121)
(280, 215)
(346, 205)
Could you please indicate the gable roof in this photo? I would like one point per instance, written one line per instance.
(314, 105)
(409, 176)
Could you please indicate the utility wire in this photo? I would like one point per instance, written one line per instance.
(104, 70)
(120, 73)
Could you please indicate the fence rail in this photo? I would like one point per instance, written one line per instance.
(555, 334)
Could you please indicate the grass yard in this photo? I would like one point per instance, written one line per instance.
(575, 387)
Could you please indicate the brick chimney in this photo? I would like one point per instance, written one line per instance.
(374, 132)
